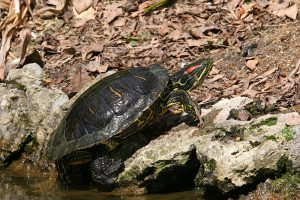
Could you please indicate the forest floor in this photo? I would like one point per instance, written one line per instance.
(254, 44)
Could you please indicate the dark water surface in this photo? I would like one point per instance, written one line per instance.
(14, 186)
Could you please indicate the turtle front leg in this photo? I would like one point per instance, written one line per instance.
(183, 99)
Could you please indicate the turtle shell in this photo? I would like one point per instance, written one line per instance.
(106, 108)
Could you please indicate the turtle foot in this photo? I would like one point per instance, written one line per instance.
(104, 171)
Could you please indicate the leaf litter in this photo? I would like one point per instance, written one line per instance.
(77, 40)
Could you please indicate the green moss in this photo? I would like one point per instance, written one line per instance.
(271, 137)
(284, 188)
(17, 85)
(284, 164)
(288, 185)
(288, 133)
(211, 164)
(255, 143)
(32, 146)
(268, 122)
(258, 108)
(160, 4)
(230, 133)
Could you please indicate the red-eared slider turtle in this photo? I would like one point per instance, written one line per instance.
(116, 107)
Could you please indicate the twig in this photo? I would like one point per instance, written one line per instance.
(292, 74)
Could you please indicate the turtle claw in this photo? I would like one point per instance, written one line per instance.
(200, 124)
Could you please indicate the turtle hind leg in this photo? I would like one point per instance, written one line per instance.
(63, 169)
(183, 99)
(71, 168)
(104, 170)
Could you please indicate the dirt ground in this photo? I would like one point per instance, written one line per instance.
(254, 44)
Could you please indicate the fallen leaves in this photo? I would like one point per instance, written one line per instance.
(111, 12)
(15, 17)
(86, 14)
(53, 8)
(81, 6)
(252, 63)
(290, 12)
(101, 35)
(196, 43)
(175, 35)
(142, 7)
(80, 79)
(96, 66)
(250, 93)
(89, 49)
(280, 8)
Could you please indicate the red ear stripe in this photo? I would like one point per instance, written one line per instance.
(191, 69)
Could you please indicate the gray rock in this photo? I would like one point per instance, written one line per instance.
(225, 106)
(253, 149)
(163, 148)
(231, 153)
(226, 154)
(13, 120)
(28, 114)
(30, 75)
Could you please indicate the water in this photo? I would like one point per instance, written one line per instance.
(15, 186)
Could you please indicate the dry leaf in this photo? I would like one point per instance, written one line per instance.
(80, 79)
(174, 35)
(196, 43)
(96, 66)
(196, 33)
(206, 99)
(14, 18)
(50, 11)
(262, 3)
(91, 48)
(297, 2)
(214, 71)
(81, 6)
(267, 73)
(88, 14)
(4, 4)
(250, 93)
(247, 8)
(232, 4)
(2, 71)
(290, 12)
(239, 13)
(251, 64)
(120, 22)
(215, 78)
(142, 7)
(111, 12)
(278, 4)
(25, 35)
(80, 23)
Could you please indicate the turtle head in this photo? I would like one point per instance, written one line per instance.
(192, 74)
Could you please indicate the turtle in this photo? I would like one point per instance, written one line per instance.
(117, 107)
